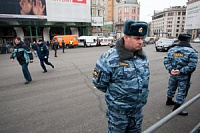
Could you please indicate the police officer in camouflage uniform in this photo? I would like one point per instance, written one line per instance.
(181, 61)
(122, 73)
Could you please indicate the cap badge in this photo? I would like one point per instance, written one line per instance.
(140, 30)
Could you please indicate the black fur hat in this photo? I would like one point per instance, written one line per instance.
(184, 37)
(135, 28)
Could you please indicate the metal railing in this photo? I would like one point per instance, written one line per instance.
(171, 115)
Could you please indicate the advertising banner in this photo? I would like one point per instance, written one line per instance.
(26, 9)
(193, 16)
(97, 21)
(68, 10)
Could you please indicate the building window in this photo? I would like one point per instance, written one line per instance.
(179, 13)
(177, 25)
(183, 13)
(178, 21)
(177, 30)
(126, 10)
(178, 18)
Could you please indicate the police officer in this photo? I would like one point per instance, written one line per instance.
(181, 61)
(24, 56)
(43, 54)
(122, 73)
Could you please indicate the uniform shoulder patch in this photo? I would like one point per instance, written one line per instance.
(96, 73)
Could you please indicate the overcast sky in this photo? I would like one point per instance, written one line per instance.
(147, 7)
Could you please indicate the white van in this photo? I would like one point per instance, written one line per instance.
(105, 41)
(87, 41)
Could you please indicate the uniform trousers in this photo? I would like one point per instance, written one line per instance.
(180, 82)
(124, 122)
(45, 60)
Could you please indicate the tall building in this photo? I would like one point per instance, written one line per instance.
(168, 23)
(117, 12)
(192, 24)
(97, 10)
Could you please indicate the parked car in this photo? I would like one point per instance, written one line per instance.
(196, 40)
(149, 40)
(164, 44)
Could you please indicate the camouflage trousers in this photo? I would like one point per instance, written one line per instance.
(124, 122)
(180, 82)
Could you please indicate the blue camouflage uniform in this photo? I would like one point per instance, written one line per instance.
(183, 58)
(124, 77)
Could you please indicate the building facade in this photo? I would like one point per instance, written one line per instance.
(168, 23)
(97, 13)
(192, 24)
(55, 18)
(117, 12)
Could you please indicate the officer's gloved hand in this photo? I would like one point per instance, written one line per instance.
(45, 57)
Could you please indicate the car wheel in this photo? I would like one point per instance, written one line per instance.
(157, 49)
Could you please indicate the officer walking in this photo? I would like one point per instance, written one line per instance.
(43, 54)
(24, 56)
(122, 73)
(180, 61)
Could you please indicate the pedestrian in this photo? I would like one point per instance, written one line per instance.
(71, 43)
(180, 61)
(24, 56)
(34, 48)
(122, 73)
(43, 55)
(63, 46)
(55, 47)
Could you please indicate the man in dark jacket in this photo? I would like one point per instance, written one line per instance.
(63, 46)
(55, 47)
(43, 54)
(24, 56)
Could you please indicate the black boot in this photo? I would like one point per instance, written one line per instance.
(183, 113)
(169, 101)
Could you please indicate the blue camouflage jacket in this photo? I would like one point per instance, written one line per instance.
(123, 76)
(181, 57)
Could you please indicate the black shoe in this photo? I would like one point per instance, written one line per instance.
(27, 82)
(45, 71)
(169, 101)
(183, 113)
(52, 66)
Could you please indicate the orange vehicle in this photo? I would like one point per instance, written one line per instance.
(67, 39)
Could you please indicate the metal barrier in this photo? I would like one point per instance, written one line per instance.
(196, 129)
(171, 115)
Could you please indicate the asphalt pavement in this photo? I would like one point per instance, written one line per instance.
(64, 100)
